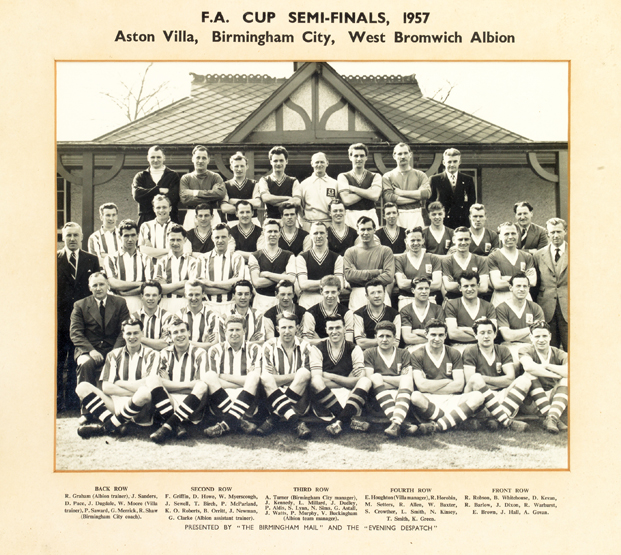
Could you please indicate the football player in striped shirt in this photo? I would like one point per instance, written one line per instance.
(286, 376)
(153, 239)
(179, 389)
(489, 369)
(235, 368)
(438, 374)
(124, 395)
(105, 241)
(219, 270)
(173, 270)
(202, 322)
(254, 325)
(549, 365)
(154, 318)
(128, 269)
(338, 379)
(367, 317)
(388, 366)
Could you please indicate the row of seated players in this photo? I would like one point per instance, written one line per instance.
(226, 260)
(249, 387)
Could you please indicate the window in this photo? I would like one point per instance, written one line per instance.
(63, 207)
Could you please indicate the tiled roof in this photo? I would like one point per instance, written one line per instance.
(219, 103)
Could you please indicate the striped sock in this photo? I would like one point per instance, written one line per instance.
(128, 412)
(220, 400)
(458, 415)
(356, 400)
(559, 400)
(328, 400)
(430, 413)
(493, 406)
(94, 405)
(241, 404)
(402, 406)
(161, 402)
(282, 406)
(385, 400)
(539, 396)
(514, 399)
(295, 397)
(184, 410)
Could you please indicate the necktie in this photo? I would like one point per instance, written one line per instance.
(557, 255)
(102, 312)
(74, 264)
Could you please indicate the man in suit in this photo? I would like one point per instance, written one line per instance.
(455, 190)
(73, 269)
(551, 264)
(96, 328)
(531, 237)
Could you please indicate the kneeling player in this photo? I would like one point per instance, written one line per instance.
(234, 366)
(386, 365)
(438, 374)
(125, 395)
(549, 365)
(337, 375)
(488, 368)
(286, 376)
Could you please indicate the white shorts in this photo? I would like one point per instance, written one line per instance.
(308, 299)
(262, 303)
(190, 219)
(411, 218)
(352, 217)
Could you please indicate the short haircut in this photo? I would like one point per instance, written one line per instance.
(242, 203)
(507, 224)
(132, 321)
(271, 222)
(287, 315)
(477, 206)
(176, 321)
(235, 319)
(522, 204)
(357, 146)
(221, 226)
(483, 322)
(324, 224)
(417, 229)
(71, 224)
(468, 276)
(241, 283)
(127, 225)
(519, 275)
(421, 279)
(108, 206)
(557, 221)
(238, 157)
(158, 198)
(399, 145)
(364, 220)
(373, 283)
(204, 206)
(335, 318)
(97, 275)
(435, 323)
(319, 154)
(287, 206)
(276, 150)
(434, 206)
(390, 205)
(157, 147)
(151, 283)
(199, 148)
(539, 325)
(193, 283)
(329, 281)
(461, 229)
(334, 202)
(387, 326)
(451, 152)
(284, 283)
(177, 229)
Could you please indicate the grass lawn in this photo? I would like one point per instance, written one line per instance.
(457, 449)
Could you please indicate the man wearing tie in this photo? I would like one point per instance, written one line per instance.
(455, 190)
(96, 327)
(74, 267)
(551, 264)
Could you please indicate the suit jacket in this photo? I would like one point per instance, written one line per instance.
(552, 282)
(536, 238)
(86, 329)
(70, 290)
(457, 203)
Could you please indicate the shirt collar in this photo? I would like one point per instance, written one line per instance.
(561, 248)
(68, 252)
